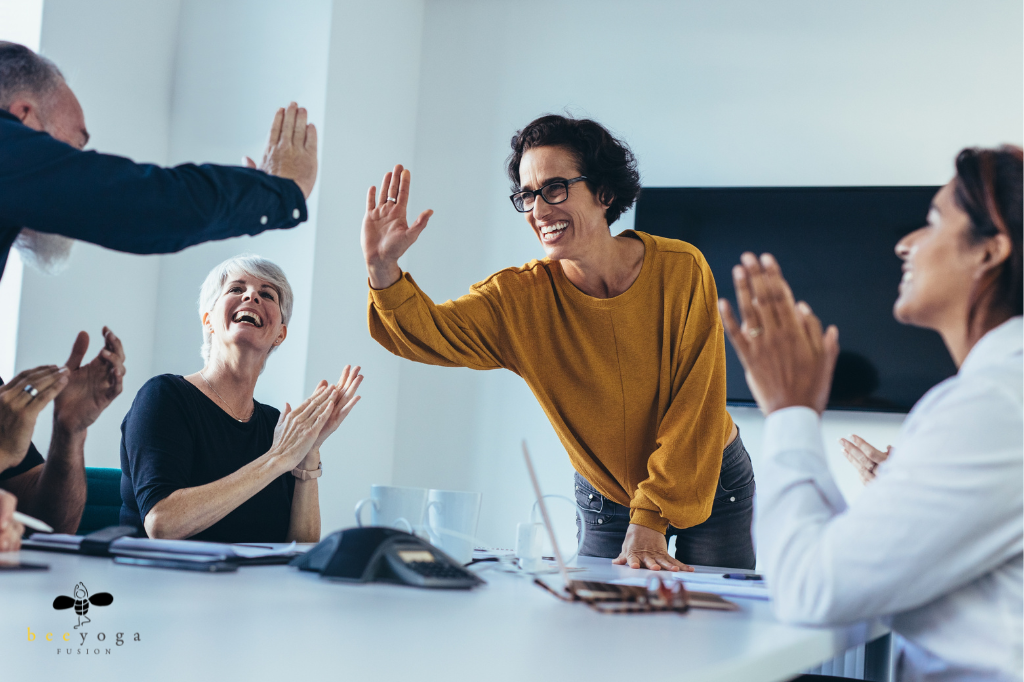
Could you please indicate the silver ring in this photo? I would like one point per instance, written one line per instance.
(755, 332)
(393, 199)
(31, 390)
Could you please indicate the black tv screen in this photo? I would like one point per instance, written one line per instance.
(835, 246)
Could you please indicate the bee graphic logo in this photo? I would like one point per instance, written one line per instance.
(81, 602)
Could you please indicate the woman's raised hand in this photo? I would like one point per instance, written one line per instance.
(864, 456)
(386, 232)
(298, 429)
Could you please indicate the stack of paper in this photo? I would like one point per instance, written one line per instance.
(708, 582)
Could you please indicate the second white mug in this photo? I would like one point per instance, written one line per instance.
(452, 516)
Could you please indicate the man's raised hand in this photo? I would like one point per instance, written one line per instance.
(386, 232)
(291, 149)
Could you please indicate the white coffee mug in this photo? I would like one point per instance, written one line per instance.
(395, 506)
(452, 516)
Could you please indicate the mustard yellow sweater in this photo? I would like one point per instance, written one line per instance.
(634, 385)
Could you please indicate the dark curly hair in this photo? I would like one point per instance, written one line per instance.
(989, 189)
(607, 162)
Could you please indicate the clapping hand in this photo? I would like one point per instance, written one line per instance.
(864, 456)
(91, 387)
(386, 232)
(346, 389)
(298, 429)
(21, 401)
(291, 149)
(10, 530)
(787, 358)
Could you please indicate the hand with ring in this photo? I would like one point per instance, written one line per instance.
(21, 401)
(387, 233)
(863, 456)
(787, 358)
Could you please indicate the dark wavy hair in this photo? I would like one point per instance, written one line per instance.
(989, 189)
(607, 162)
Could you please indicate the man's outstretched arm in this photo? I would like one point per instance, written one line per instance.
(50, 186)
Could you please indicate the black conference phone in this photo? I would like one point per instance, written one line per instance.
(378, 554)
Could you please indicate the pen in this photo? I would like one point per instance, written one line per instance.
(35, 524)
(743, 576)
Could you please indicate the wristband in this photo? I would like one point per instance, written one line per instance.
(307, 474)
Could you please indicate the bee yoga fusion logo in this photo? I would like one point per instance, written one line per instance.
(81, 603)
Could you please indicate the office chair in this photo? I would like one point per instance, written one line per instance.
(102, 499)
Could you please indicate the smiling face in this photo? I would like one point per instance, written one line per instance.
(940, 265)
(247, 315)
(569, 229)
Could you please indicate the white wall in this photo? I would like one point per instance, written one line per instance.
(725, 93)
(236, 63)
(370, 122)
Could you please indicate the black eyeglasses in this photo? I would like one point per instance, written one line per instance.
(554, 193)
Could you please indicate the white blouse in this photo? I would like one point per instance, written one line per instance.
(935, 541)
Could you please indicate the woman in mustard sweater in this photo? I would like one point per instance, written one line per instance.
(631, 323)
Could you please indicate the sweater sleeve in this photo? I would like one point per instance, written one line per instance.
(683, 470)
(462, 333)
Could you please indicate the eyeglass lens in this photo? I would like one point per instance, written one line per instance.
(555, 193)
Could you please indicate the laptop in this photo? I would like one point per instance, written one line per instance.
(657, 595)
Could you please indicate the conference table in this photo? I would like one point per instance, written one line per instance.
(276, 622)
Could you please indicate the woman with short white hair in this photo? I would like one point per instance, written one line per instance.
(200, 458)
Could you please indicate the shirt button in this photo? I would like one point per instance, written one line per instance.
(732, 499)
(600, 520)
(590, 496)
(263, 220)
(295, 214)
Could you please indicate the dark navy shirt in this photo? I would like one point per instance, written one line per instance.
(114, 202)
(174, 437)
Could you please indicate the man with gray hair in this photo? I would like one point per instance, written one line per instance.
(52, 192)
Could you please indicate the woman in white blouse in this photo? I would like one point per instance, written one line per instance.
(936, 539)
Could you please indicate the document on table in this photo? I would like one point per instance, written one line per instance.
(708, 582)
(186, 549)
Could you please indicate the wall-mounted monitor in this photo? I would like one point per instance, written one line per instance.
(835, 246)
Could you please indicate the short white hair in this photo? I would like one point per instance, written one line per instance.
(254, 266)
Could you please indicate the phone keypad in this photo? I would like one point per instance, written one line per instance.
(436, 569)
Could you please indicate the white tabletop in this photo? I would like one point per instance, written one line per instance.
(275, 622)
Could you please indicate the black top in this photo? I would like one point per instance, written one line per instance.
(32, 459)
(175, 437)
(108, 200)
